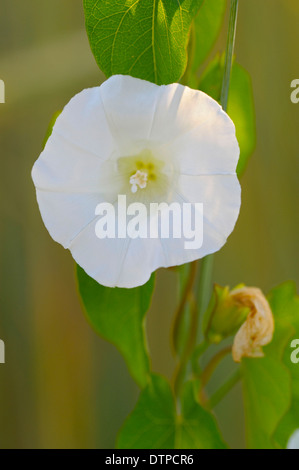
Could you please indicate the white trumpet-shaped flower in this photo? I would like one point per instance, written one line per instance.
(152, 144)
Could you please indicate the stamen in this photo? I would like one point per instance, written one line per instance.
(138, 179)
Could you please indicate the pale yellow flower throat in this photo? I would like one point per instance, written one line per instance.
(143, 172)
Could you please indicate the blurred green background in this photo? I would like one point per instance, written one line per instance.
(62, 386)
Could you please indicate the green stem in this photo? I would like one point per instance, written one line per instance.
(204, 286)
(224, 389)
(209, 370)
(198, 352)
(203, 291)
(180, 370)
(178, 317)
(207, 373)
(229, 52)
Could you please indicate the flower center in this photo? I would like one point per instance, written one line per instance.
(142, 170)
(138, 179)
(145, 177)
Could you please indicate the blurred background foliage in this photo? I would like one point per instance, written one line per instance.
(62, 386)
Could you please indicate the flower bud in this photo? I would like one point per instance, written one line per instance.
(257, 330)
(224, 316)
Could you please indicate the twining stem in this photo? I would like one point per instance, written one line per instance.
(206, 268)
(224, 390)
(210, 368)
(180, 370)
(203, 288)
(178, 317)
(197, 353)
(229, 52)
(202, 293)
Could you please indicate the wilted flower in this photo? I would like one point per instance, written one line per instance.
(257, 331)
(152, 144)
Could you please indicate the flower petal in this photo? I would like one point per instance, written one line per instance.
(129, 105)
(65, 167)
(79, 143)
(210, 148)
(293, 442)
(65, 215)
(117, 262)
(198, 133)
(221, 199)
(83, 123)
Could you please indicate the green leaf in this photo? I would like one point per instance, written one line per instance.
(240, 104)
(153, 424)
(50, 127)
(197, 428)
(207, 24)
(211, 79)
(270, 382)
(118, 316)
(266, 398)
(285, 303)
(143, 38)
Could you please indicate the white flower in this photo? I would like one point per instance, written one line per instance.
(151, 143)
